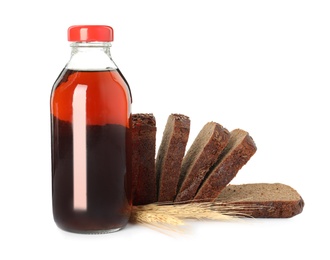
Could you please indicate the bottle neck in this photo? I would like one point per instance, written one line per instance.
(91, 56)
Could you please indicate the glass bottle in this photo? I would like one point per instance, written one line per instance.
(90, 137)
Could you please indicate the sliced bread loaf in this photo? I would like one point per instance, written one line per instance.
(202, 154)
(143, 159)
(237, 153)
(263, 200)
(170, 154)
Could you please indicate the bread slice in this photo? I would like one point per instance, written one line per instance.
(202, 154)
(143, 159)
(264, 200)
(170, 155)
(237, 153)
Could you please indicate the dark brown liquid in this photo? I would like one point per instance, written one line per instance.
(107, 144)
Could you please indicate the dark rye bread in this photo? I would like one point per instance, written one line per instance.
(263, 200)
(202, 154)
(170, 155)
(143, 159)
(237, 153)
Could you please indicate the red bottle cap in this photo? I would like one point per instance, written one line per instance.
(90, 33)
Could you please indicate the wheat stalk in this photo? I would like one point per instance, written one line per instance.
(170, 216)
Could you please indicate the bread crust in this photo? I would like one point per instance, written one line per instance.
(170, 155)
(144, 186)
(263, 200)
(237, 153)
(202, 154)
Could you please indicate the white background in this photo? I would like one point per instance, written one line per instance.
(262, 66)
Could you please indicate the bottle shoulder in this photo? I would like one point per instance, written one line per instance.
(91, 60)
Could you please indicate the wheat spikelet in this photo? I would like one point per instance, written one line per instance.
(170, 216)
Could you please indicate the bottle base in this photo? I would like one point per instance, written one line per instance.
(91, 232)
